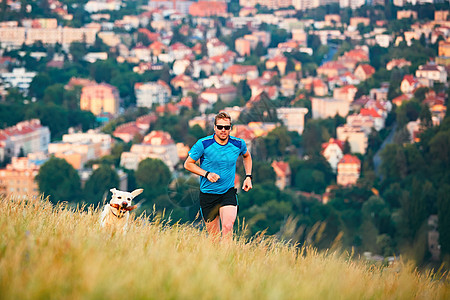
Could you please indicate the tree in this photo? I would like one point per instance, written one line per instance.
(78, 51)
(153, 176)
(38, 85)
(102, 180)
(443, 205)
(59, 180)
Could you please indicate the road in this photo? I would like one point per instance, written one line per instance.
(377, 157)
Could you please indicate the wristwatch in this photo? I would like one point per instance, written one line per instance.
(249, 175)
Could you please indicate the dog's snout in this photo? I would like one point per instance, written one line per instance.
(124, 204)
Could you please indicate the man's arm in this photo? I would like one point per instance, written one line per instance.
(192, 167)
(247, 185)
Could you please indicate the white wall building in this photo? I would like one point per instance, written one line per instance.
(91, 136)
(293, 117)
(323, 108)
(18, 78)
(151, 93)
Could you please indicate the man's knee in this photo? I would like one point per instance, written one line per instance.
(227, 226)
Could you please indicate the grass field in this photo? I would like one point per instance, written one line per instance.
(56, 252)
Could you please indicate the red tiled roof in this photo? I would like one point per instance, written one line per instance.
(368, 69)
(158, 138)
(240, 69)
(369, 112)
(222, 90)
(333, 141)
(350, 159)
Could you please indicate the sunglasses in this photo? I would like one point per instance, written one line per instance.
(220, 127)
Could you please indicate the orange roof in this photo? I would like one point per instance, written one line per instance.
(240, 69)
(333, 141)
(409, 78)
(368, 69)
(369, 112)
(350, 159)
(222, 90)
(281, 168)
(158, 138)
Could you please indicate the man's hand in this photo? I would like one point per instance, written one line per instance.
(247, 186)
(213, 177)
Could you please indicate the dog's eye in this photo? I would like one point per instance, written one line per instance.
(119, 197)
(129, 199)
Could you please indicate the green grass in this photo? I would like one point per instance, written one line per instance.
(56, 252)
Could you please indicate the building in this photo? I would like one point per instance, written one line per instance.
(323, 108)
(364, 72)
(225, 94)
(18, 178)
(433, 72)
(157, 145)
(355, 136)
(208, 8)
(100, 98)
(348, 170)
(24, 138)
(18, 78)
(91, 136)
(283, 174)
(243, 47)
(293, 118)
(333, 151)
(150, 93)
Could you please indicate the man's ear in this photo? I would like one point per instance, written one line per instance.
(136, 192)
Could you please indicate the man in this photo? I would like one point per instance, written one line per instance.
(218, 154)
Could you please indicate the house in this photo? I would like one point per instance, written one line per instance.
(223, 62)
(333, 151)
(238, 73)
(180, 50)
(365, 123)
(375, 116)
(331, 69)
(126, 132)
(180, 66)
(433, 72)
(397, 63)
(364, 72)
(356, 137)
(150, 93)
(279, 62)
(346, 93)
(76, 154)
(348, 170)
(90, 137)
(216, 47)
(157, 48)
(408, 84)
(289, 84)
(225, 94)
(18, 178)
(242, 46)
(283, 174)
(400, 99)
(156, 145)
(100, 98)
(293, 118)
(323, 108)
(23, 138)
(208, 8)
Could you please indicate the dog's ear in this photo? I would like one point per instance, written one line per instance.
(136, 192)
(113, 190)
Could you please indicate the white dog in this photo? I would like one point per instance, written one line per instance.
(117, 212)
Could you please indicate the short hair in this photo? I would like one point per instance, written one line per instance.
(222, 115)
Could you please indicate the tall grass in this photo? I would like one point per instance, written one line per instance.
(57, 252)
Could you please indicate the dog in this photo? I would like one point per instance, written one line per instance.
(117, 212)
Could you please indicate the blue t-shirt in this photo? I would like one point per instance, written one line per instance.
(219, 159)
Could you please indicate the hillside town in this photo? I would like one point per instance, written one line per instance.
(318, 90)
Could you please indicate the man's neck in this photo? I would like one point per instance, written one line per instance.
(220, 141)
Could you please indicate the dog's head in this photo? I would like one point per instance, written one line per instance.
(122, 200)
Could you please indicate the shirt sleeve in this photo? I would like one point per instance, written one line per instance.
(196, 151)
(243, 148)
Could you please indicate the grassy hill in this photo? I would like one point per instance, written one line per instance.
(56, 252)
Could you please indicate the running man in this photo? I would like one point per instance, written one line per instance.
(218, 154)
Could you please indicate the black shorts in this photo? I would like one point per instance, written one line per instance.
(211, 203)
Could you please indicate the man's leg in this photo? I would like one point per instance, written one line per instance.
(228, 215)
(213, 228)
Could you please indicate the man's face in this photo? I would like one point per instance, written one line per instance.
(222, 128)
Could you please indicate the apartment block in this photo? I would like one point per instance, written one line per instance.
(150, 93)
(323, 108)
(100, 98)
(293, 118)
